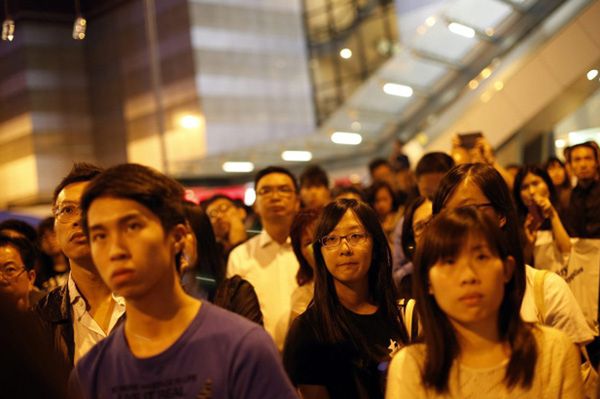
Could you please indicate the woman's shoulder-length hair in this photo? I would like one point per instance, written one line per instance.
(445, 236)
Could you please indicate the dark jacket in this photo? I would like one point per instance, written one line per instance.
(55, 312)
(584, 210)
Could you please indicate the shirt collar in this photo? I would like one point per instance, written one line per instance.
(75, 295)
(265, 239)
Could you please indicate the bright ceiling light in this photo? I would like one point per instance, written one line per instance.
(473, 84)
(238, 167)
(346, 138)
(79, 27)
(591, 75)
(345, 53)
(296, 156)
(394, 89)
(430, 21)
(560, 143)
(461, 30)
(485, 73)
(189, 122)
(8, 30)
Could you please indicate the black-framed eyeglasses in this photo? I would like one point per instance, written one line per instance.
(11, 272)
(420, 226)
(67, 213)
(284, 191)
(218, 210)
(479, 207)
(353, 239)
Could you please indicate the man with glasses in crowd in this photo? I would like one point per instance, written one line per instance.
(82, 312)
(17, 274)
(267, 260)
(227, 220)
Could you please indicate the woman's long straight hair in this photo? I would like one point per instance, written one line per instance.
(331, 324)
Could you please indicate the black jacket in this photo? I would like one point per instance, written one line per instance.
(55, 312)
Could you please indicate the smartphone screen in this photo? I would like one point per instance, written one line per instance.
(467, 140)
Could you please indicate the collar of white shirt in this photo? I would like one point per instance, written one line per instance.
(265, 239)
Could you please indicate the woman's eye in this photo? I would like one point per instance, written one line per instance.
(448, 261)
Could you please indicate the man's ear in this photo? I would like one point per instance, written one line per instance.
(241, 213)
(178, 233)
(509, 268)
(31, 277)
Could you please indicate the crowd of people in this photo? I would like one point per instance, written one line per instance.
(436, 281)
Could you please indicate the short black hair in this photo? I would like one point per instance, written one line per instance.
(377, 162)
(340, 190)
(588, 144)
(434, 162)
(22, 228)
(26, 248)
(45, 225)
(162, 195)
(274, 169)
(80, 172)
(206, 203)
(314, 175)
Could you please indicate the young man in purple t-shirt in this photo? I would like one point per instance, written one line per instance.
(171, 345)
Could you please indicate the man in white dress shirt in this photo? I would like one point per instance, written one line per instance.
(82, 312)
(267, 261)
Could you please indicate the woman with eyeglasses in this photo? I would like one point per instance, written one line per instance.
(482, 187)
(341, 346)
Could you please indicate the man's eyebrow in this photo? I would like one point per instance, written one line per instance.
(121, 220)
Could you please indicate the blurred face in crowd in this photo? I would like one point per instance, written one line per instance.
(533, 186)
(468, 193)
(347, 251)
(428, 184)
(557, 173)
(67, 223)
(315, 196)
(49, 243)
(276, 198)
(222, 213)
(583, 163)
(383, 173)
(306, 240)
(131, 250)
(469, 287)
(383, 202)
(421, 218)
(15, 280)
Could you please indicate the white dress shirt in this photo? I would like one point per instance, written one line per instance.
(86, 331)
(271, 269)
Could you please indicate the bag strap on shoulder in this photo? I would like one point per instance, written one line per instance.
(538, 292)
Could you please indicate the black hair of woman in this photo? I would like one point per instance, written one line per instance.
(210, 263)
(535, 170)
(494, 188)
(303, 219)
(408, 234)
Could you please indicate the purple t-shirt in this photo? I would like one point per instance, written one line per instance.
(220, 355)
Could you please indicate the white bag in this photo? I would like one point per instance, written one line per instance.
(582, 273)
(546, 255)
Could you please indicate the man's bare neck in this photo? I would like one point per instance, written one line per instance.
(278, 231)
(155, 322)
(89, 284)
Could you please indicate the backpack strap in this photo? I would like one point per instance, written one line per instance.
(409, 317)
(538, 293)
